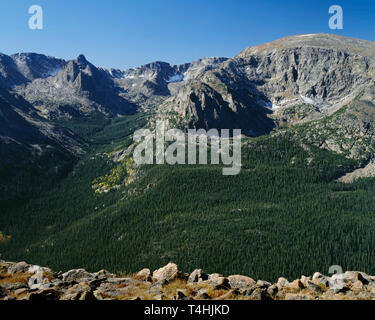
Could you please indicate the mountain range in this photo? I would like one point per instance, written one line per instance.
(72, 196)
(37, 89)
(297, 79)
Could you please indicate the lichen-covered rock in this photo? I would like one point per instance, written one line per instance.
(240, 282)
(166, 273)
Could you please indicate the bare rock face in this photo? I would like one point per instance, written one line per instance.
(167, 273)
(367, 171)
(23, 132)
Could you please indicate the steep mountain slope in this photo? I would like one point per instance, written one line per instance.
(26, 136)
(9, 73)
(23, 68)
(350, 130)
(30, 143)
(319, 73)
(33, 66)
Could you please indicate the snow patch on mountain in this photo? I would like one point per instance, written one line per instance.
(52, 73)
(269, 104)
(175, 78)
(308, 100)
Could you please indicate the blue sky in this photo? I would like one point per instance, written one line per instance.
(129, 33)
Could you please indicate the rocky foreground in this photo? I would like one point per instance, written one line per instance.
(22, 281)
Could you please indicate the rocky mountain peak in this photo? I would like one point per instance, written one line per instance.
(82, 61)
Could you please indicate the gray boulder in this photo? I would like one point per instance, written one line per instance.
(166, 273)
(240, 282)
